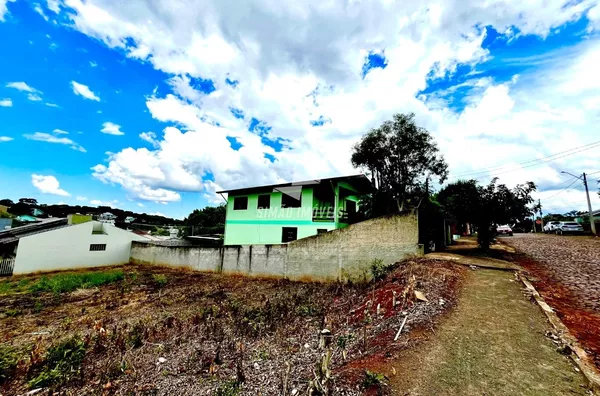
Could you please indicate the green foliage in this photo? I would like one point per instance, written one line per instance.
(6, 215)
(400, 156)
(8, 362)
(63, 283)
(208, 220)
(11, 313)
(160, 231)
(160, 279)
(342, 341)
(61, 364)
(135, 337)
(228, 388)
(487, 206)
(308, 309)
(373, 379)
(379, 269)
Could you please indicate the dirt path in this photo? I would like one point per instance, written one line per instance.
(493, 343)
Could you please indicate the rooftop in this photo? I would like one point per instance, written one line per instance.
(360, 181)
(13, 234)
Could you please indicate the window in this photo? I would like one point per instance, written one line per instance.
(240, 203)
(97, 247)
(289, 201)
(264, 201)
(321, 231)
(289, 234)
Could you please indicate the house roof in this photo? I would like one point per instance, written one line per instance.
(13, 234)
(360, 182)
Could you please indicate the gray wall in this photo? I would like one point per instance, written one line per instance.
(340, 254)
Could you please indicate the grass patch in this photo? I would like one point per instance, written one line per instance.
(229, 388)
(160, 279)
(63, 283)
(61, 364)
(8, 362)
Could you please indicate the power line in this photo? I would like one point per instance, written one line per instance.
(561, 191)
(533, 162)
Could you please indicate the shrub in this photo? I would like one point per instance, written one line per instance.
(379, 269)
(160, 279)
(8, 362)
(61, 364)
(11, 313)
(63, 283)
(373, 379)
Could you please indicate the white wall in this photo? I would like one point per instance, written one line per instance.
(69, 248)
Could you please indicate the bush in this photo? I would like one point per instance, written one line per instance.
(160, 279)
(379, 269)
(8, 362)
(372, 379)
(61, 364)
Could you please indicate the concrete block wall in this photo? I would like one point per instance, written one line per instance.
(337, 255)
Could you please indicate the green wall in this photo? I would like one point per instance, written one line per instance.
(264, 226)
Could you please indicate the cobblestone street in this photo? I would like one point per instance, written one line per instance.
(566, 271)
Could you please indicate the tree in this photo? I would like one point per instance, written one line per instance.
(6, 202)
(208, 220)
(459, 199)
(28, 201)
(400, 157)
(490, 206)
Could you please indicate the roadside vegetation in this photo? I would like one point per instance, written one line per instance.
(143, 329)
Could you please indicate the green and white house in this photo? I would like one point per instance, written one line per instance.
(282, 213)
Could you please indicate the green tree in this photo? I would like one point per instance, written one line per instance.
(208, 220)
(490, 205)
(400, 157)
(6, 202)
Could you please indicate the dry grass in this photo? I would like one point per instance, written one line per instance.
(164, 331)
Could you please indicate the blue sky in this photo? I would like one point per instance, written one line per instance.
(185, 118)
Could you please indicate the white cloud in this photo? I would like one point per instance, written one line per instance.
(98, 202)
(4, 9)
(141, 205)
(157, 214)
(53, 5)
(48, 138)
(83, 90)
(34, 97)
(81, 198)
(112, 129)
(51, 104)
(5, 139)
(93, 64)
(309, 64)
(60, 132)
(48, 185)
(22, 86)
(6, 102)
(149, 137)
(38, 8)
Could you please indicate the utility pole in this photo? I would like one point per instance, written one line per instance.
(541, 214)
(587, 194)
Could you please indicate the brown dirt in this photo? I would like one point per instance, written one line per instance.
(209, 327)
(492, 343)
(566, 272)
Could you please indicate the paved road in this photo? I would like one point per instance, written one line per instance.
(566, 271)
(572, 261)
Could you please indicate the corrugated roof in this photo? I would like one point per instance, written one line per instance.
(13, 234)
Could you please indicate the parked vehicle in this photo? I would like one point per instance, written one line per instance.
(504, 230)
(551, 226)
(566, 227)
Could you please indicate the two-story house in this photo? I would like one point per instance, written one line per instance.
(282, 213)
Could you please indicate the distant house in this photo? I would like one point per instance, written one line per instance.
(53, 245)
(282, 213)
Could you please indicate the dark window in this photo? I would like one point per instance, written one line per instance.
(97, 247)
(289, 234)
(240, 203)
(264, 201)
(289, 201)
(321, 231)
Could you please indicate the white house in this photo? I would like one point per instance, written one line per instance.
(90, 244)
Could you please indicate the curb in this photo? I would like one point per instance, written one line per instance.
(581, 358)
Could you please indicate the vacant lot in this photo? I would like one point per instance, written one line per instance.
(566, 271)
(151, 330)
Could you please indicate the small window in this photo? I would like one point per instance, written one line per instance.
(321, 231)
(97, 247)
(240, 203)
(288, 201)
(289, 234)
(264, 201)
